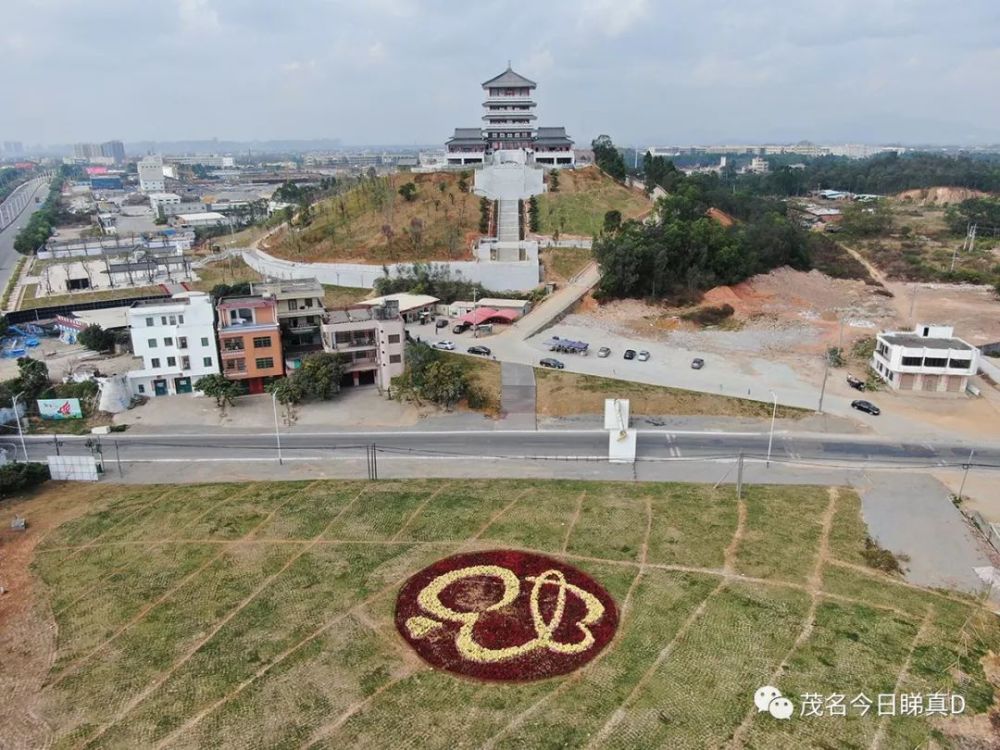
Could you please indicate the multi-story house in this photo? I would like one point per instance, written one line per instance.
(250, 341)
(371, 339)
(929, 359)
(300, 313)
(175, 339)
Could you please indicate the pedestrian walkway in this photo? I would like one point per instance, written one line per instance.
(517, 399)
(508, 224)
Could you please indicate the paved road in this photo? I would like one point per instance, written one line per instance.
(9, 256)
(803, 450)
(517, 397)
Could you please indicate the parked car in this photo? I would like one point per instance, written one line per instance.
(866, 406)
(643, 355)
(555, 364)
(460, 328)
(697, 363)
(441, 323)
(856, 383)
(603, 352)
(483, 351)
(630, 354)
(447, 345)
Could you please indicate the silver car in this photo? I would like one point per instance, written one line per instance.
(643, 355)
(603, 352)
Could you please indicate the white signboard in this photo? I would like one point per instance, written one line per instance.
(73, 468)
(59, 408)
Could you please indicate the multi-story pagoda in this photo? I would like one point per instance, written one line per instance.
(509, 126)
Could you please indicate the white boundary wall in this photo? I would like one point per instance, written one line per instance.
(73, 468)
(495, 275)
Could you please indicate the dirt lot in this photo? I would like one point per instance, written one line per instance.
(786, 314)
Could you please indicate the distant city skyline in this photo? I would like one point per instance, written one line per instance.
(406, 72)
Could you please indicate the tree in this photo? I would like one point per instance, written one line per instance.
(33, 378)
(219, 387)
(612, 221)
(96, 338)
(3, 325)
(607, 157)
(319, 376)
(409, 192)
(554, 181)
(287, 392)
(463, 181)
(867, 219)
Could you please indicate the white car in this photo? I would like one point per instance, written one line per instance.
(444, 345)
(643, 356)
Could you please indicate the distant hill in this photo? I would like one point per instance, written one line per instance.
(940, 196)
(373, 223)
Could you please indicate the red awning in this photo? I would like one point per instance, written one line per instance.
(488, 315)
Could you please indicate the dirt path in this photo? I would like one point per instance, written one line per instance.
(903, 673)
(28, 630)
(875, 273)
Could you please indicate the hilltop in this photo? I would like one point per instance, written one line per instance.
(372, 223)
(583, 197)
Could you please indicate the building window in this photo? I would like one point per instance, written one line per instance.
(342, 337)
(204, 341)
(207, 361)
(293, 304)
(241, 316)
(180, 319)
(309, 302)
(912, 361)
(236, 365)
(185, 363)
(232, 345)
(168, 341)
(935, 362)
(151, 343)
(395, 359)
(163, 320)
(182, 342)
(149, 322)
(171, 361)
(960, 364)
(142, 389)
(261, 342)
(265, 363)
(154, 362)
(393, 338)
(173, 320)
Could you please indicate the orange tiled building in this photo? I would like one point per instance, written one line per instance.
(250, 341)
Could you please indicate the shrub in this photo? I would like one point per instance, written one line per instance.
(16, 478)
(881, 559)
(709, 316)
(863, 349)
(835, 356)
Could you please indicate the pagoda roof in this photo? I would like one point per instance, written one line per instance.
(466, 137)
(510, 78)
(553, 137)
(509, 115)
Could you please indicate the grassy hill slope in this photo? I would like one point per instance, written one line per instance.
(373, 223)
(584, 196)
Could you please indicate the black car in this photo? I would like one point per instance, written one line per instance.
(460, 328)
(697, 363)
(483, 351)
(441, 323)
(630, 354)
(555, 364)
(867, 407)
(855, 383)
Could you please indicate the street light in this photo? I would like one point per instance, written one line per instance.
(277, 435)
(770, 438)
(20, 432)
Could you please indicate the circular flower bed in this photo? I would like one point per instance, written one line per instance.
(505, 615)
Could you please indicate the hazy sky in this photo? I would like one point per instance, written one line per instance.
(408, 71)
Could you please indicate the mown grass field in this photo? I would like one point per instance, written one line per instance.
(261, 615)
(584, 196)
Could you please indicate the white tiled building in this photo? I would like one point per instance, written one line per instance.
(151, 179)
(371, 338)
(175, 339)
(929, 359)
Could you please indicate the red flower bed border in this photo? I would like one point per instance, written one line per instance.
(516, 616)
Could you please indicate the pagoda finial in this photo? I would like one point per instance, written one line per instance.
(508, 64)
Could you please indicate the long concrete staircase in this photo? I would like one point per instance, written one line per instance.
(508, 222)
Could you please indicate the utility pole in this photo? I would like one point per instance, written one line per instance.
(913, 302)
(20, 432)
(277, 434)
(965, 476)
(770, 438)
